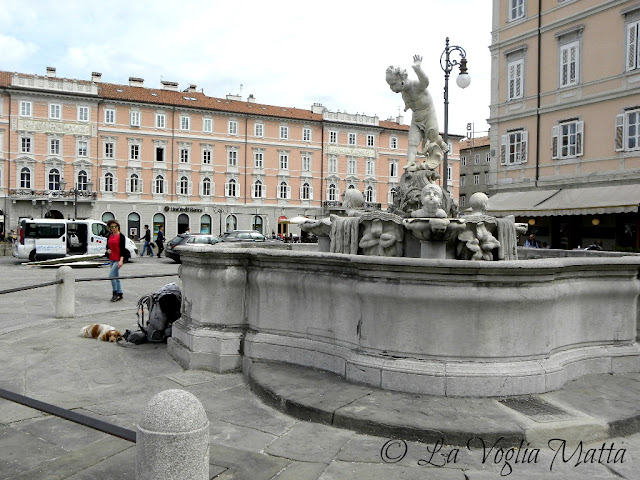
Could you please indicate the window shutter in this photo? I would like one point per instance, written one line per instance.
(632, 46)
(128, 185)
(263, 192)
(226, 190)
(579, 138)
(619, 132)
(301, 194)
(310, 193)
(253, 190)
(102, 187)
(178, 192)
(115, 184)
(523, 147)
(554, 141)
(237, 190)
(503, 150)
(212, 189)
(288, 192)
(190, 188)
(140, 185)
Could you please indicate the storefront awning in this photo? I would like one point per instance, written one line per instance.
(521, 204)
(567, 201)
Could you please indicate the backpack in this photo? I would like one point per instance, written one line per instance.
(163, 308)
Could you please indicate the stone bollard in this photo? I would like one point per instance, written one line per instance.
(65, 293)
(172, 442)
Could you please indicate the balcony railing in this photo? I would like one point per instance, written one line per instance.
(28, 193)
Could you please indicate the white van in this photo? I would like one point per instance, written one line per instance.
(44, 238)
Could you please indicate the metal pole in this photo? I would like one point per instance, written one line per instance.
(447, 70)
(75, 203)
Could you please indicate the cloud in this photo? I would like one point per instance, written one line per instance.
(14, 51)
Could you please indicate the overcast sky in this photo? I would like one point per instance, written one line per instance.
(287, 53)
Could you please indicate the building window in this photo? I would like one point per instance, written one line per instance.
(207, 125)
(83, 114)
(305, 191)
(516, 9)
(476, 179)
(205, 224)
(135, 119)
(183, 186)
(185, 122)
(284, 132)
(161, 120)
(25, 109)
(515, 72)
(25, 178)
(369, 194)
(206, 187)
(257, 190)
(25, 144)
(463, 180)
(393, 169)
(567, 139)
(54, 179)
(371, 139)
(134, 183)
(233, 127)
(231, 188)
(463, 160)
(488, 158)
(332, 193)
(231, 223)
(159, 154)
(258, 130)
(449, 174)
(633, 46)
(110, 116)
(370, 168)
(333, 164)
(257, 223)
(134, 152)
(232, 158)
(569, 64)
(306, 134)
(513, 148)
(54, 146)
(333, 137)
(306, 162)
(184, 155)
(284, 161)
(108, 182)
(284, 191)
(463, 201)
(109, 150)
(352, 139)
(206, 156)
(628, 131)
(476, 159)
(486, 178)
(83, 181)
(158, 185)
(55, 111)
(258, 159)
(83, 148)
(351, 166)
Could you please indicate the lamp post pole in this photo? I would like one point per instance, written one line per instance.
(463, 81)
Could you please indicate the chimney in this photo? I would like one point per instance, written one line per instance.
(192, 88)
(136, 82)
(251, 98)
(317, 108)
(51, 71)
(233, 97)
(400, 119)
(169, 85)
(96, 77)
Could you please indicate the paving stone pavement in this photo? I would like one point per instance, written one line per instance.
(46, 359)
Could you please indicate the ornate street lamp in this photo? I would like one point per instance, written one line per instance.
(84, 192)
(463, 81)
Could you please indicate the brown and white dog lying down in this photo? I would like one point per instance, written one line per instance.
(101, 332)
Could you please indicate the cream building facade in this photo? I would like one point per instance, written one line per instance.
(178, 158)
(565, 119)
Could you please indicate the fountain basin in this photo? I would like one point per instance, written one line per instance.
(438, 327)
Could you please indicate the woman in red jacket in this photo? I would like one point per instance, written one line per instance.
(116, 253)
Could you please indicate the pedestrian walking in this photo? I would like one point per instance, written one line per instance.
(160, 240)
(147, 241)
(116, 251)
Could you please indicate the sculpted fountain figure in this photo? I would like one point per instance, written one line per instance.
(424, 123)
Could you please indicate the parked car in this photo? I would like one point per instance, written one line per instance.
(188, 239)
(243, 236)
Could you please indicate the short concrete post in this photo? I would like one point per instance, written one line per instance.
(172, 441)
(65, 293)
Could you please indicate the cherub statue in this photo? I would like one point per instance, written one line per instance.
(424, 122)
(353, 202)
(431, 198)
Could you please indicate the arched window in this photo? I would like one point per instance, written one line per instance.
(256, 224)
(133, 226)
(231, 188)
(231, 223)
(206, 187)
(25, 178)
(106, 216)
(305, 192)
(283, 190)
(258, 190)
(158, 221)
(183, 187)
(205, 223)
(183, 223)
(351, 186)
(54, 179)
(83, 180)
(134, 183)
(332, 193)
(369, 194)
(158, 185)
(108, 182)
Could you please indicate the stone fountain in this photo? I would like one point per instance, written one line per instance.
(416, 299)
